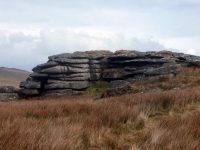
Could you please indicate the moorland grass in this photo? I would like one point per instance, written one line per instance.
(157, 120)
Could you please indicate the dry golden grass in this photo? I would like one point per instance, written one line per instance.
(175, 132)
(102, 52)
(158, 120)
(123, 51)
(131, 121)
(165, 52)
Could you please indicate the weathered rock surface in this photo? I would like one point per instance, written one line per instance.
(8, 96)
(8, 93)
(64, 69)
(32, 84)
(8, 89)
(71, 73)
(163, 70)
(72, 61)
(76, 85)
(38, 75)
(119, 86)
(31, 92)
(112, 75)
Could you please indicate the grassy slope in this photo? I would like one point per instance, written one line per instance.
(12, 77)
(159, 120)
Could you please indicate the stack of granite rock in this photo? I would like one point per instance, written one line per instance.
(8, 93)
(67, 74)
(137, 66)
(63, 74)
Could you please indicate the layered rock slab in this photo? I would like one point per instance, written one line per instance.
(8, 93)
(64, 72)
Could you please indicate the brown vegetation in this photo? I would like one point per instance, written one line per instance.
(131, 121)
(113, 70)
(123, 51)
(165, 52)
(102, 52)
(176, 132)
(158, 120)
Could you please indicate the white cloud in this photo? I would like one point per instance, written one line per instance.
(25, 51)
(192, 51)
(32, 30)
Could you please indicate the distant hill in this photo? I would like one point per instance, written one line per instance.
(12, 76)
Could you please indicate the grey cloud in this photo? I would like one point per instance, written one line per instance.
(25, 51)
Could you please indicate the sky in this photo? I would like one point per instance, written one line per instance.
(30, 31)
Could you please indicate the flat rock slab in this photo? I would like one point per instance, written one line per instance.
(69, 79)
(131, 73)
(64, 69)
(32, 85)
(78, 65)
(128, 56)
(31, 92)
(75, 55)
(64, 55)
(8, 96)
(142, 61)
(73, 75)
(91, 56)
(72, 61)
(8, 89)
(94, 62)
(119, 86)
(38, 75)
(45, 65)
(163, 70)
(76, 85)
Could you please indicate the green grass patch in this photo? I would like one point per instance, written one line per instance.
(96, 88)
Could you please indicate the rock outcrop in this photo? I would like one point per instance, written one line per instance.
(8, 93)
(67, 74)
(64, 74)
